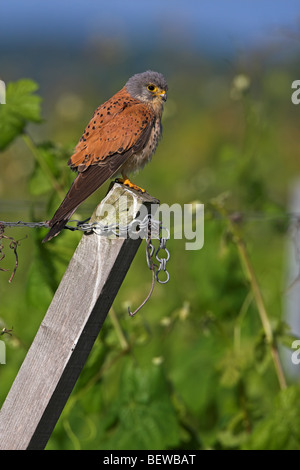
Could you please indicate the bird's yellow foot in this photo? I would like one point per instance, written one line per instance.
(128, 183)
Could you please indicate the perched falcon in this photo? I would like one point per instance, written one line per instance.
(121, 138)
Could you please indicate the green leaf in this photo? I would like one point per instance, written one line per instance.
(41, 279)
(22, 106)
(230, 365)
(39, 182)
(281, 429)
(144, 412)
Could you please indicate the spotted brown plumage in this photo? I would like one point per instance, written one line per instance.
(121, 138)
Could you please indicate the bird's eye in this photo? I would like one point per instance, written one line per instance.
(151, 88)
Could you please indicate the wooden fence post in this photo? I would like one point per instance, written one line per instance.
(70, 327)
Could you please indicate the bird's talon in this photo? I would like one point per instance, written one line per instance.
(128, 183)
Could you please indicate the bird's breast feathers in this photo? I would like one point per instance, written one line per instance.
(139, 159)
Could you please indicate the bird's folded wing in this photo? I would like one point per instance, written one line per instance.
(102, 140)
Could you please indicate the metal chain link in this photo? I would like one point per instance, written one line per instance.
(150, 249)
(148, 227)
(118, 230)
(162, 260)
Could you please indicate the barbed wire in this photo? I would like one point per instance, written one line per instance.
(97, 227)
(20, 223)
(116, 229)
(238, 215)
(140, 228)
(13, 244)
(147, 228)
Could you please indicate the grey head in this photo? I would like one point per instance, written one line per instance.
(147, 86)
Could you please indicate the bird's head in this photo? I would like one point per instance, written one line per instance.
(149, 87)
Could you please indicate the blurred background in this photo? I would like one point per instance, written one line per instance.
(195, 369)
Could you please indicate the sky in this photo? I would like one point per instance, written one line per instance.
(226, 23)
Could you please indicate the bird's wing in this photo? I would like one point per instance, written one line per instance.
(114, 128)
(100, 156)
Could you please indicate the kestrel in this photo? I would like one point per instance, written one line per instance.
(121, 138)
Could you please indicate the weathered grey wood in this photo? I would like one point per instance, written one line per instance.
(69, 328)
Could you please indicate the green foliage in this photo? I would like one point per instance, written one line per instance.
(142, 415)
(22, 106)
(40, 182)
(280, 429)
(200, 365)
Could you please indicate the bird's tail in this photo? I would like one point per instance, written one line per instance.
(65, 211)
(83, 186)
(57, 227)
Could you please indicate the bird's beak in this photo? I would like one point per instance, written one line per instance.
(163, 95)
